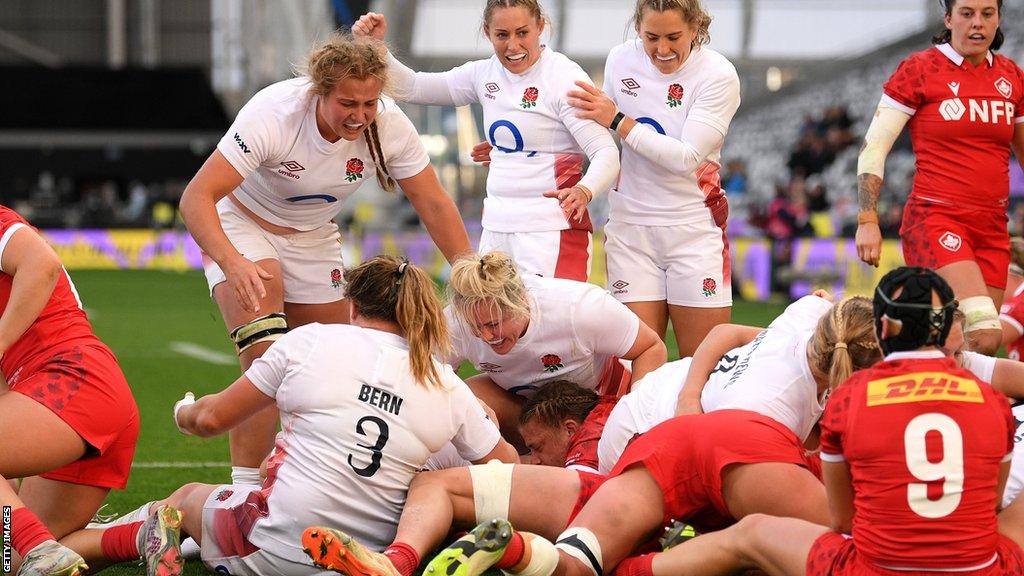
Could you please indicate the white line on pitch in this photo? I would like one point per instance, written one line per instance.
(193, 350)
(181, 464)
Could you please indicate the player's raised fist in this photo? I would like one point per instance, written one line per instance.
(370, 25)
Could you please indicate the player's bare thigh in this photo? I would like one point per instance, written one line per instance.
(776, 488)
(966, 280)
(62, 506)
(691, 325)
(326, 313)
(654, 313)
(25, 422)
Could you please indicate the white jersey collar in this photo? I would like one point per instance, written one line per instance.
(949, 52)
(916, 355)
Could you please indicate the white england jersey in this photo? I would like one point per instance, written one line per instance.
(296, 178)
(356, 427)
(705, 89)
(770, 375)
(1015, 483)
(574, 328)
(530, 124)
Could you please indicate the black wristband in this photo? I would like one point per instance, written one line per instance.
(619, 117)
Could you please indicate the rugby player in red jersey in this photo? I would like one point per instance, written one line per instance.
(68, 421)
(915, 454)
(963, 104)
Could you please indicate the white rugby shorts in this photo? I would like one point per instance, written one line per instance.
(311, 262)
(552, 254)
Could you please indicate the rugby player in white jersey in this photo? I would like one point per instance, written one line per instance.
(671, 99)
(784, 371)
(362, 407)
(537, 192)
(521, 331)
(262, 206)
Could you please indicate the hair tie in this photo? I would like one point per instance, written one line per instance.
(402, 268)
(839, 345)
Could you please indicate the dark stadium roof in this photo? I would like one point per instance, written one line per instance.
(99, 99)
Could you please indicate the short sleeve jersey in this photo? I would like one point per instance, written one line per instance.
(924, 440)
(582, 452)
(705, 89)
(1012, 312)
(294, 177)
(963, 121)
(653, 399)
(770, 375)
(529, 121)
(1015, 483)
(574, 327)
(61, 321)
(355, 428)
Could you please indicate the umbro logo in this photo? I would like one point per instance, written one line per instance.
(620, 287)
(491, 87)
(241, 143)
(630, 86)
(293, 166)
(488, 367)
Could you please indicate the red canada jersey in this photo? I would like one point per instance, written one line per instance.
(963, 122)
(924, 440)
(1012, 312)
(582, 452)
(62, 319)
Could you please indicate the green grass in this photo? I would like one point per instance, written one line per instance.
(139, 314)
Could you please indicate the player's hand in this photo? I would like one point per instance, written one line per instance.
(245, 279)
(823, 294)
(481, 153)
(573, 201)
(869, 243)
(592, 104)
(687, 406)
(370, 25)
(188, 400)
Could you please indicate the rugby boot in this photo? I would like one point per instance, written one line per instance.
(159, 542)
(676, 534)
(52, 559)
(474, 553)
(334, 550)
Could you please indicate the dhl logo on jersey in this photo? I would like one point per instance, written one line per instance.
(923, 387)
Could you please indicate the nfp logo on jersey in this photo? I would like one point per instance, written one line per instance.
(985, 111)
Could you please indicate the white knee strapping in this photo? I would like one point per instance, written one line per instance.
(981, 313)
(492, 490)
(543, 557)
(582, 545)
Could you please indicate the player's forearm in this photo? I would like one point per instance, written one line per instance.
(200, 217)
(869, 186)
(201, 418)
(30, 291)
(649, 360)
(440, 216)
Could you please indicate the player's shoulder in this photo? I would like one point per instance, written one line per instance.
(1007, 65)
(284, 97)
(625, 53)
(560, 68)
(390, 115)
(713, 61)
(9, 217)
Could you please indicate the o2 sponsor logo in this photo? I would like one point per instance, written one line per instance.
(513, 130)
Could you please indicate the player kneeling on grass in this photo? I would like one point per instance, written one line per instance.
(362, 407)
(65, 397)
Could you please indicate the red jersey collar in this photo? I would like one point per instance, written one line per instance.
(954, 56)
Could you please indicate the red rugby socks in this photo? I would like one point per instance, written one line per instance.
(403, 557)
(514, 552)
(636, 566)
(121, 543)
(27, 531)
